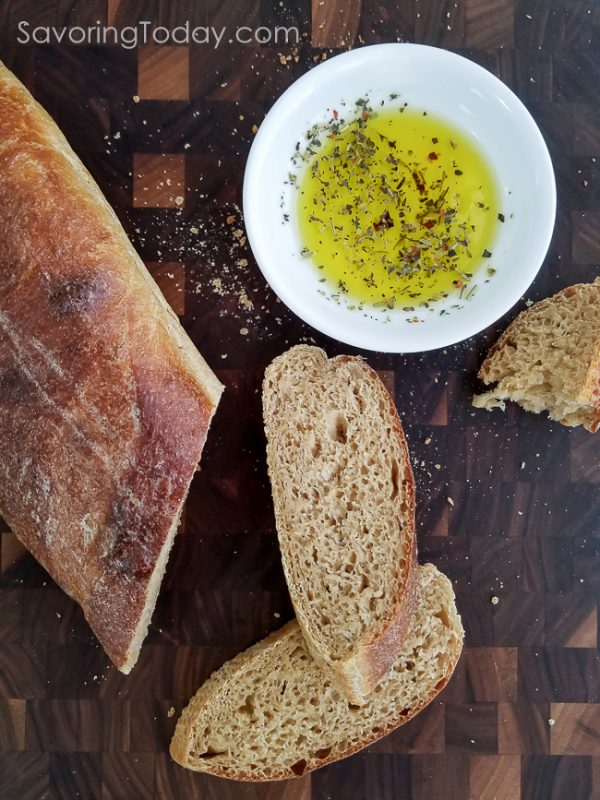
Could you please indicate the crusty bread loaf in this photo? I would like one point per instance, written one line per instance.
(343, 492)
(271, 714)
(548, 359)
(104, 401)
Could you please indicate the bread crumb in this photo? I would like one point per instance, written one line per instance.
(244, 331)
(245, 302)
(171, 712)
(495, 600)
(450, 501)
(179, 200)
(136, 98)
(427, 440)
(551, 721)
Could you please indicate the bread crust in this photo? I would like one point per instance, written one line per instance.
(358, 675)
(105, 403)
(232, 671)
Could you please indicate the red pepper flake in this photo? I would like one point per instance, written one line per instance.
(442, 212)
(458, 284)
(429, 223)
(335, 114)
(365, 115)
(432, 156)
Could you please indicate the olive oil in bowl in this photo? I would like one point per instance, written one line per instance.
(396, 208)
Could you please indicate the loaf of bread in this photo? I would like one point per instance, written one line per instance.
(343, 492)
(271, 714)
(105, 403)
(548, 359)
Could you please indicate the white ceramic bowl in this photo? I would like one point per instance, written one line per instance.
(468, 97)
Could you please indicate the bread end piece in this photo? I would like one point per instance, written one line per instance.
(548, 359)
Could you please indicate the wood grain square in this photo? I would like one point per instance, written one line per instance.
(491, 674)
(50, 616)
(153, 724)
(586, 562)
(572, 620)
(22, 671)
(562, 675)
(586, 130)
(334, 24)
(158, 181)
(529, 73)
(439, 776)
(170, 277)
(471, 728)
(76, 775)
(519, 619)
(576, 729)
(104, 726)
(12, 551)
(497, 562)
(441, 24)
(494, 778)
(489, 23)
(346, 782)
(387, 776)
(163, 72)
(556, 778)
(11, 615)
(585, 457)
(24, 776)
(547, 564)
(12, 724)
(539, 24)
(585, 247)
(387, 21)
(423, 734)
(52, 725)
(130, 775)
(523, 728)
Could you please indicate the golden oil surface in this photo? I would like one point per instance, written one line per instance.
(396, 207)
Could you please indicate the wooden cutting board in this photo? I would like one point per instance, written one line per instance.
(508, 504)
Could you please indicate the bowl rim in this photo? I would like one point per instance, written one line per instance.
(327, 324)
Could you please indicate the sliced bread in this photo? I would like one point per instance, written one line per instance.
(548, 359)
(271, 714)
(343, 492)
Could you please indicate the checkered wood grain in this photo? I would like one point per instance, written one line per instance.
(508, 504)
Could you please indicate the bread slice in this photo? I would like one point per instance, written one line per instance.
(271, 714)
(343, 492)
(548, 359)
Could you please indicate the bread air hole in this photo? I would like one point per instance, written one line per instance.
(248, 709)
(394, 480)
(337, 428)
(299, 768)
(212, 753)
(442, 615)
(323, 752)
